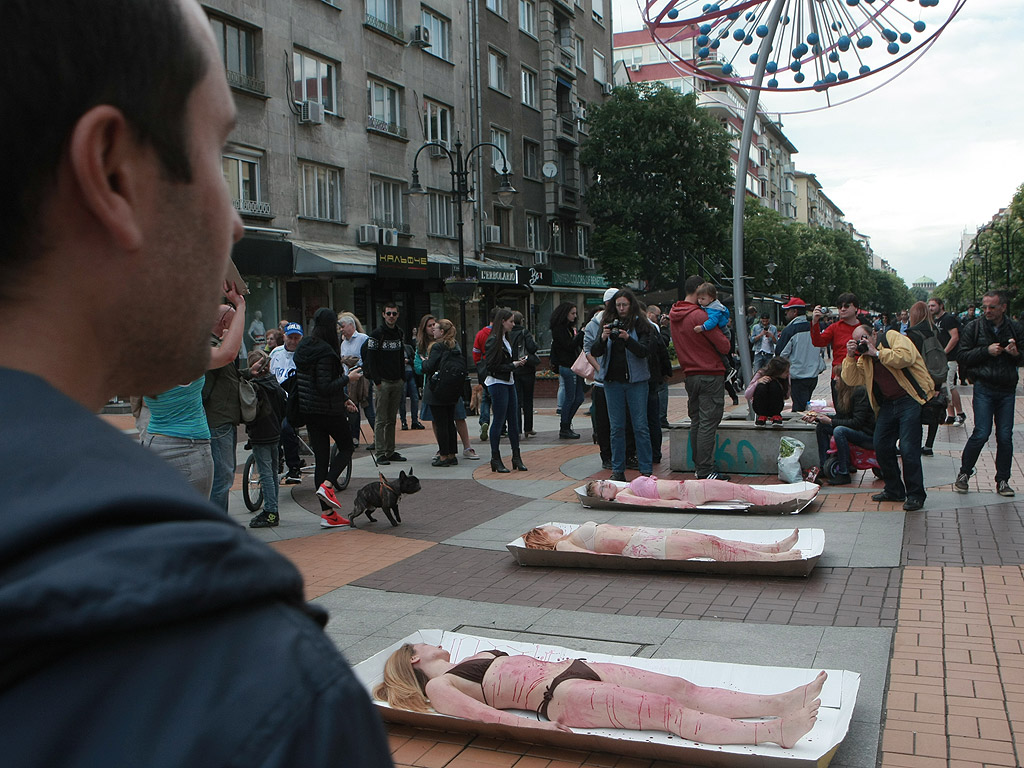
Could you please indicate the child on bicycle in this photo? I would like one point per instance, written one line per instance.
(264, 433)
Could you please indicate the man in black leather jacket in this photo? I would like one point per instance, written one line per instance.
(989, 356)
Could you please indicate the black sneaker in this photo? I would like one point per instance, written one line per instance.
(961, 418)
(962, 482)
(913, 505)
(396, 457)
(606, 464)
(1003, 489)
(382, 461)
(885, 496)
(568, 434)
(294, 477)
(714, 476)
(265, 520)
(950, 420)
(405, 427)
(619, 476)
(841, 478)
(926, 451)
(417, 425)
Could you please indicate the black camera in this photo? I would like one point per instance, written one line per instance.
(862, 347)
(616, 324)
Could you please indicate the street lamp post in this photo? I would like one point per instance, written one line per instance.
(462, 288)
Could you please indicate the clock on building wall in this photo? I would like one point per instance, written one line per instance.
(549, 169)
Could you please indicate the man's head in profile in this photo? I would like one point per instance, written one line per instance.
(121, 216)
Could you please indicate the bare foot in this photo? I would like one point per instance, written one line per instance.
(800, 696)
(796, 726)
(792, 554)
(786, 544)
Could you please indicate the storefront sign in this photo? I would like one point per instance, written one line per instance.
(536, 276)
(578, 280)
(496, 275)
(403, 263)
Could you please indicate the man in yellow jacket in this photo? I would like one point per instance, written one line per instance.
(898, 384)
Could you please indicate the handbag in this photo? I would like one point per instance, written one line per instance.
(247, 399)
(359, 391)
(582, 367)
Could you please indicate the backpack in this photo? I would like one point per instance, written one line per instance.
(248, 400)
(934, 356)
(291, 409)
(448, 380)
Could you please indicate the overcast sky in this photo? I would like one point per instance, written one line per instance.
(938, 150)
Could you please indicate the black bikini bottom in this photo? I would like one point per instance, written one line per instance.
(575, 671)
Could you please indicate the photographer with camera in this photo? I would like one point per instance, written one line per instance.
(839, 333)
(989, 356)
(898, 384)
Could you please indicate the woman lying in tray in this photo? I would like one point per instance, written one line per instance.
(688, 494)
(572, 693)
(658, 543)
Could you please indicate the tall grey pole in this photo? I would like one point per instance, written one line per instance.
(740, 200)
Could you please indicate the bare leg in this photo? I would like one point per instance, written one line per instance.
(683, 544)
(463, 431)
(699, 492)
(586, 704)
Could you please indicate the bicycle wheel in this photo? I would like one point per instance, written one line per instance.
(346, 473)
(252, 491)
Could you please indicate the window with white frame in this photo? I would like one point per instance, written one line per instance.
(313, 79)
(437, 122)
(320, 192)
(497, 70)
(581, 54)
(581, 117)
(386, 203)
(242, 174)
(440, 30)
(503, 220)
(440, 214)
(582, 241)
(500, 138)
(529, 87)
(531, 159)
(597, 8)
(386, 11)
(556, 238)
(385, 107)
(600, 73)
(498, 6)
(237, 45)
(528, 16)
(533, 232)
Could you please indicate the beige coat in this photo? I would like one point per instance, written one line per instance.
(901, 358)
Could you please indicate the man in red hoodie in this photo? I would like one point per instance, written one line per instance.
(838, 333)
(700, 355)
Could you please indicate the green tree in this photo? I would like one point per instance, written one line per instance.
(661, 181)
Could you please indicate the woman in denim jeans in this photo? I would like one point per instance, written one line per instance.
(566, 345)
(178, 433)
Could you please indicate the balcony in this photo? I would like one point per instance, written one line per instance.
(395, 130)
(246, 82)
(565, 61)
(253, 208)
(720, 103)
(568, 197)
(384, 27)
(389, 223)
(565, 126)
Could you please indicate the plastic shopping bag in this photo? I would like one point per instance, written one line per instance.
(790, 451)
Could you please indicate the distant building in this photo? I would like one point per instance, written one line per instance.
(925, 283)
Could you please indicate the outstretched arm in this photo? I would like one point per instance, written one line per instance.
(449, 700)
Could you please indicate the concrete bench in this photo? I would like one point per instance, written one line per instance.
(743, 448)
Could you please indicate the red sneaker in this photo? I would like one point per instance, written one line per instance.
(327, 494)
(333, 520)
(760, 421)
(777, 421)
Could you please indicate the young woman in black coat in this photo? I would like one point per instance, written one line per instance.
(566, 345)
(501, 385)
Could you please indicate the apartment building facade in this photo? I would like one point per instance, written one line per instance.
(336, 104)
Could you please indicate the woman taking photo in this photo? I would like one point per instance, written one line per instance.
(501, 386)
(622, 350)
(442, 405)
(322, 389)
(566, 345)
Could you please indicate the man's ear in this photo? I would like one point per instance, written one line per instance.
(111, 170)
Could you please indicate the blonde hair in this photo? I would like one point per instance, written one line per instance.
(707, 289)
(448, 339)
(538, 539)
(403, 685)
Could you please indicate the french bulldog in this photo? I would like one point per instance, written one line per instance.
(385, 495)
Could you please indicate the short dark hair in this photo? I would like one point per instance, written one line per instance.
(690, 286)
(848, 298)
(938, 301)
(136, 55)
(390, 303)
(1000, 295)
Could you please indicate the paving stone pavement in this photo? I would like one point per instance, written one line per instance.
(928, 607)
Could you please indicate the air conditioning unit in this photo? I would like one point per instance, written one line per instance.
(420, 36)
(540, 257)
(589, 263)
(436, 151)
(367, 235)
(492, 234)
(635, 67)
(608, 89)
(389, 237)
(311, 112)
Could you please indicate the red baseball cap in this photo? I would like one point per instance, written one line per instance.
(795, 302)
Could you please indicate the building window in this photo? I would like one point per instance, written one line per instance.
(581, 54)
(313, 79)
(503, 221)
(597, 8)
(440, 33)
(531, 159)
(581, 116)
(528, 17)
(437, 122)
(242, 174)
(440, 214)
(556, 238)
(500, 138)
(386, 204)
(498, 6)
(600, 74)
(533, 238)
(497, 71)
(385, 11)
(529, 85)
(320, 192)
(582, 241)
(237, 47)
(385, 108)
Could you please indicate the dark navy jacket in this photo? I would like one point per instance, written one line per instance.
(139, 626)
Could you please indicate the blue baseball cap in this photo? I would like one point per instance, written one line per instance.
(293, 329)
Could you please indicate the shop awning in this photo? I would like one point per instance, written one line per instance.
(320, 258)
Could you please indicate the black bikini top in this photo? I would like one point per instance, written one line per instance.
(475, 669)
